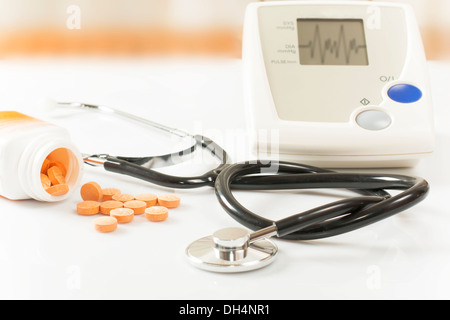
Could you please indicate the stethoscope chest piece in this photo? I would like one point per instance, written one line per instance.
(231, 250)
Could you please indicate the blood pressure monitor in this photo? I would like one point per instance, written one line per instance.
(337, 84)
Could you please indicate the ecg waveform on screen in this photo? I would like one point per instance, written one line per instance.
(336, 47)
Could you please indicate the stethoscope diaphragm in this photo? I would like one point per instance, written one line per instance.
(232, 250)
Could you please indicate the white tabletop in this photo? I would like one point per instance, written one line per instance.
(48, 251)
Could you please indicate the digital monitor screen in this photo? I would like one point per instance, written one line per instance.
(332, 42)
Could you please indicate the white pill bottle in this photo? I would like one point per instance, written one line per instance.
(27, 145)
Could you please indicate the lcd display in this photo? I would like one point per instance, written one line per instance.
(332, 42)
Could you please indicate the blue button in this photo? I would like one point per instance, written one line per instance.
(404, 93)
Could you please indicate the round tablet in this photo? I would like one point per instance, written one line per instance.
(156, 213)
(109, 192)
(123, 215)
(137, 206)
(58, 164)
(149, 198)
(45, 181)
(88, 208)
(107, 206)
(55, 175)
(58, 190)
(91, 191)
(169, 200)
(105, 224)
(123, 197)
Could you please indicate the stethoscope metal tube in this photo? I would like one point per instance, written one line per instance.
(131, 167)
(124, 115)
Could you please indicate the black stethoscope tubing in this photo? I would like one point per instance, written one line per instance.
(373, 204)
(338, 217)
(328, 220)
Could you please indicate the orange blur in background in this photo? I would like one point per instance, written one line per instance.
(158, 27)
(225, 41)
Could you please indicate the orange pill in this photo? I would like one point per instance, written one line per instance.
(56, 175)
(88, 208)
(58, 164)
(59, 180)
(137, 206)
(105, 224)
(109, 192)
(156, 213)
(91, 191)
(124, 197)
(169, 200)
(107, 206)
(149, 198)
(45, 166)
(58, 190)
(123, 215)
(46, 183)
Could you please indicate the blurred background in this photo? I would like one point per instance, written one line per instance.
(158, 27)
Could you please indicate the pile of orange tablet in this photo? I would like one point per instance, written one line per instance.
(121, 207)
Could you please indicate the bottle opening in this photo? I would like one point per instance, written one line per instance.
(59, 172)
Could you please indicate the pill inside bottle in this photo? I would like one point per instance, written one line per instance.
(54, 171)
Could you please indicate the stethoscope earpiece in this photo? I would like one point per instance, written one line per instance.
(233, 250)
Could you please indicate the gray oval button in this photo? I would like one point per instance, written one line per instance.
(373, 120)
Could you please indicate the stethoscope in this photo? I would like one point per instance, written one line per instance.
(238, 249)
